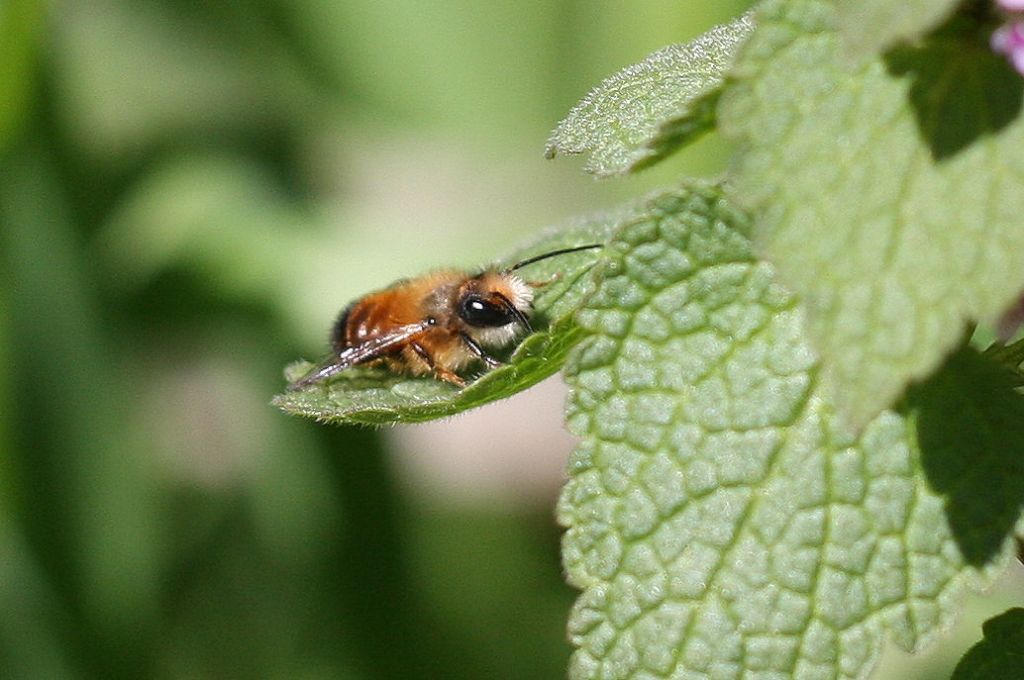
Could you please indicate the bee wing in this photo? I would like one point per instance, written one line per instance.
(376, 345)
(368, 349)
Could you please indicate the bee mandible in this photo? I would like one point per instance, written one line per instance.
(436, 324)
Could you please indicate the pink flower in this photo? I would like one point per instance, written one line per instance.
(1011, 5)
(1009, 40)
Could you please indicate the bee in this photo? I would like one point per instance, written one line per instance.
(437, 324)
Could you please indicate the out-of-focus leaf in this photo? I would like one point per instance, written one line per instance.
(1001, 654)
(970, 426)
(721, 522)
(418, 62)
(29, 629)
(31, 625)
(221, 216)
(372, 397)
(888, 194)
(648, 110)
(869, 26)
(7, 488)
(105, 490)
(130, 75)
(21, 22)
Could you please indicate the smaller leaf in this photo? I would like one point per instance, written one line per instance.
(1001, 654)
(1010, 357)
(645, 112)
(960, 90)
(372, 396)
(872, 26)
(970, 430)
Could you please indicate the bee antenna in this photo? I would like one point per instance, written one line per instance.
(553, 253)
(517, 313)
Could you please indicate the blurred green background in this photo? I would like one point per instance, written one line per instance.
(190, 192)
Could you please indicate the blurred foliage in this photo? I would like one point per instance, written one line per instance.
(191, 190)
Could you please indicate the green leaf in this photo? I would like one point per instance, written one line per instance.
(1001, 654)
(720, 522)
(870, 26)
(646, 111)
(375, 396)
(889, 195)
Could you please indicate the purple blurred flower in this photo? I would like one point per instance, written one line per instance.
(1011, 321)
(1009, 40)
(1011, 5)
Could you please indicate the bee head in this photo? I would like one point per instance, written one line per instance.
(496, 303)
(493, 305)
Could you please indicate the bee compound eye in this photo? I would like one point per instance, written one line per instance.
(477, 311)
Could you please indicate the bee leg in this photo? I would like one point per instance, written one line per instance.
(442, 373)
(476, 349)
(547, 282)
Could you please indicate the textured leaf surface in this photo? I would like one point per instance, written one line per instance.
(643, 113)
(371, 396)
(888, 195)
(720, 524)
(873, 25)
(1001, 654)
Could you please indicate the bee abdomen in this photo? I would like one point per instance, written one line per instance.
(339, 333)
(369, 317)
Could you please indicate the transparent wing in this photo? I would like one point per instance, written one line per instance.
(370, 348)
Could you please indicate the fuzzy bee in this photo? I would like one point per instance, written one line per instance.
(437, 324)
